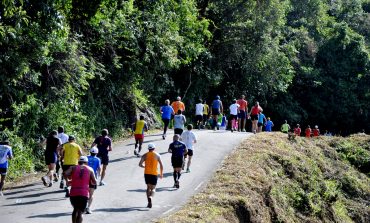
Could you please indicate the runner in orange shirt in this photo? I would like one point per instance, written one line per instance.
(177, 105)
(243, 112)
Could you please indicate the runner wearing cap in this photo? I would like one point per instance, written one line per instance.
(151, 160)
(139, 128)
(95, 163)
(217, 109)
(5, 155)
(104, 144)
(178, 150)
(70, 154)
(81, 176)
(316, 131)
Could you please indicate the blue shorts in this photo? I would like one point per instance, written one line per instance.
(50, 158)
(242, 114)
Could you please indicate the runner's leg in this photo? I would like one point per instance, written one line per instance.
(103, 173)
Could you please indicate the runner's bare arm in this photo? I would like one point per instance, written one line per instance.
(142, 161)
(160, 166)
(222, 107)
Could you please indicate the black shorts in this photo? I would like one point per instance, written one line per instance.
(3, 171)
(178, 131)
(166, 121)
(50, 158)
(216, 111)
(177, 162)
(93, 186)
(79, 202)
(104, 159)
(242, 114)
(199, 118)
(151, 179)
(66, 167)
(235, 117)
(254, 117)
(190, 152)
(205, 117)
(259, 124)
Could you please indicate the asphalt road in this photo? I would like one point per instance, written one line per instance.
(123, 199)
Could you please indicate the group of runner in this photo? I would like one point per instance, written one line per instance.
(285, 128)
(214, 116)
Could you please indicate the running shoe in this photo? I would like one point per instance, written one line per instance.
(177, 184)
(67, 193)
(88, 211)
(56, 177)
(188, 170)
(150, 202)
(44, 180)
(102, 183)
(163, 137)
(243, 130)
(135, 152)
(50, 184)
(1, 194)
(61, 185)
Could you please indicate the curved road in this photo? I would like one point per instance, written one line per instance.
(123, 199)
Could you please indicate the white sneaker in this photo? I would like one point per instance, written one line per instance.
(1, 194)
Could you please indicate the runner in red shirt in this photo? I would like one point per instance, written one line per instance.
(316, 131)
(243, 111)
(297, 130)
(308, 131)
(256, 109)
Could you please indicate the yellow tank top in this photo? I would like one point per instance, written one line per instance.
(71, 154)
(151, 164)
(139, 127)
(206, 109)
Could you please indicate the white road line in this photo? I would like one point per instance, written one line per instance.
(168, 211)
(199, 185)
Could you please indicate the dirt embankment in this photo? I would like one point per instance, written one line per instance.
(272, 179)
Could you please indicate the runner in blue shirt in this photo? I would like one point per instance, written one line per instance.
(178, 150)
(5, 154)
(261, 120)
(166, 112)
(269, 124)
(95, 163)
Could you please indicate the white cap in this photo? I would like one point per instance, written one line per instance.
(316, 126)
(94, 150)
(83, 159)
(151, 146)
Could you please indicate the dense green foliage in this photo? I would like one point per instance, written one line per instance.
(90, 64)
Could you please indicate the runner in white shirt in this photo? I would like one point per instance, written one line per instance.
(189, 138)
(234, 110)
(199, 113)
(63, 139)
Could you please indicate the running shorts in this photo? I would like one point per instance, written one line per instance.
(139, 136)
(259, 124)
(50, 158)
(178, 131)
(242, 114)
(93, 186)
(79, 202)
(104, 159)
(66, 167)
(190, 152)
(205, 118)
(177, 162)
(216, 111)
(166, 122)
(151, 179)
(254, 117)
(235, 117)
(3, 171)
(199, 118)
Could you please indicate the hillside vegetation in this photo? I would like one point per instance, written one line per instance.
(93, 64)
(272, 179)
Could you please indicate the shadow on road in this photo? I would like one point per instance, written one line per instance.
(121, 209)
(22, 191)
(123, 158)
(34, 202)
(146, 141)
(36, 194)
(55, 215)
(22, 186)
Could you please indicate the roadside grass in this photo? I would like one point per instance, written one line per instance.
(269, 178)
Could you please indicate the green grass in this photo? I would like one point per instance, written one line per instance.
(305, 180)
